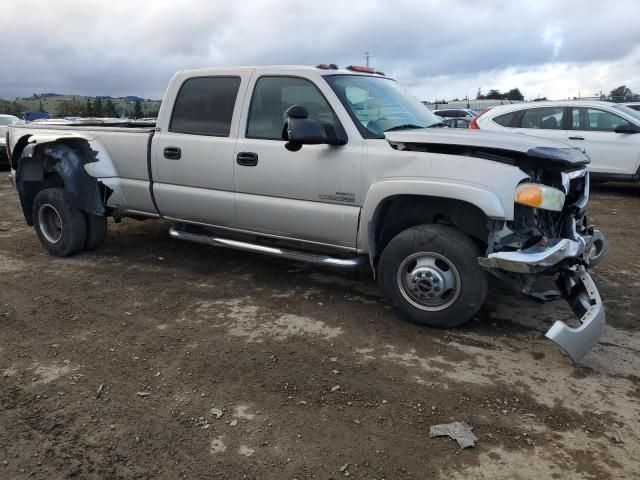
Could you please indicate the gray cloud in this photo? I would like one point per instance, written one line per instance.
(121, 47)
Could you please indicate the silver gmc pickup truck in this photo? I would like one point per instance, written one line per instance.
(339, 167)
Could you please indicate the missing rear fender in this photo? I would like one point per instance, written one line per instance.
(60, 164)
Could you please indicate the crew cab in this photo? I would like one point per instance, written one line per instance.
(339, 167)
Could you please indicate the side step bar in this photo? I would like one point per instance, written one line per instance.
(353, 262)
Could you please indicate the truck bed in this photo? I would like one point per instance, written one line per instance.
(122, 155)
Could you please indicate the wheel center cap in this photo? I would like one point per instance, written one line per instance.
(428, 280)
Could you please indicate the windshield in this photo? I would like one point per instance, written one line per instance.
(8, 120)
(380, 104)
(629, 111)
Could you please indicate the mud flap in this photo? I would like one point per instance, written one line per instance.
(583, 297)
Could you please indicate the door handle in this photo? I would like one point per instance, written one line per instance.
(172, 153)
(576, 138)
(247, 159)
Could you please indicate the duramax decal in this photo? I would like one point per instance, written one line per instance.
(345, 197)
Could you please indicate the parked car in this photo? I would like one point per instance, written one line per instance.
(456, 113)
(633, 105)
(608, 132)
(334, 167)
(5, 121)
(457, 122)
(32, 116)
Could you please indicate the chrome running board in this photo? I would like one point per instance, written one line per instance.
(353, 262)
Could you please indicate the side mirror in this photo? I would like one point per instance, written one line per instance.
(627, 129)
(301, 130)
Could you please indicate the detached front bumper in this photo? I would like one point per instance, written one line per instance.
(570, 258)
(584, 299)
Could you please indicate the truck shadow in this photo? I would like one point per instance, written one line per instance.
(616, 188)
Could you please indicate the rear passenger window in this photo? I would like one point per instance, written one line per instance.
(273, 96)
(452, 113)
(594, 119)
(205, 106)
(506, 119)
(549, 118)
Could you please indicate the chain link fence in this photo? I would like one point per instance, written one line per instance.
(479, 105)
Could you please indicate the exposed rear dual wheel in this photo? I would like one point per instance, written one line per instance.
(62, 228)
(430, 274)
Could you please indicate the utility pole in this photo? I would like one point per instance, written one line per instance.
(367, 56)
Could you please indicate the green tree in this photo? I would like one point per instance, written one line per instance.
(70, 108)
(137, 110)
(623, 94)
(110, 109)
(12, 108)
(514, 94)
(494, 95)
(479, 95)
(88, 110)
(98, 108)
(40, 107)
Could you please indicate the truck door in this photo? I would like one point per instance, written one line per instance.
(311, 194)
(193, 176)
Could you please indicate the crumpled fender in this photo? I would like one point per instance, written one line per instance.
(78, 159)
(82, 188)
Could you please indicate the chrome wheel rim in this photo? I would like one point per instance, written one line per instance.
(429, 281)
(50, 223)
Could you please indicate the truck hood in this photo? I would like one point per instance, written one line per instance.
(516, 149)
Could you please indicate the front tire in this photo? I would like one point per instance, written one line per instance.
(430, 274)
(61, 227)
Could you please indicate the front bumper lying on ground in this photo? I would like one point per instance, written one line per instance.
(583, 297)
(576, 285)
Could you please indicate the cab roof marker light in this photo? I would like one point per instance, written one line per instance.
(360, 68)
(327, 66)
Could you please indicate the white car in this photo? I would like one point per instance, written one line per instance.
(5, 120)
(608, 132)
(633, 105)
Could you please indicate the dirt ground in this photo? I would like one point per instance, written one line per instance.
(152, 358)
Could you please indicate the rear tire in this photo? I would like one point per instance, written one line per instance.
(430, 274)
(61, 227)
(96, 231)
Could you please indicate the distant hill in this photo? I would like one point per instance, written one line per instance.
(49, 102)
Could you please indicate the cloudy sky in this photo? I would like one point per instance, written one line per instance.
(438, 49)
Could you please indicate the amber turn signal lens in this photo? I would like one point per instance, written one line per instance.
(540, 196)
(529, 195)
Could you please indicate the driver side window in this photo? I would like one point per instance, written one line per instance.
(272, 97)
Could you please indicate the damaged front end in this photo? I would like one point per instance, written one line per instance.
(550, 237)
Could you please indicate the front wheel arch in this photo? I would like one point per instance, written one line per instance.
(398, 213)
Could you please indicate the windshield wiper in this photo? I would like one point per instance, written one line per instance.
(404, 126)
